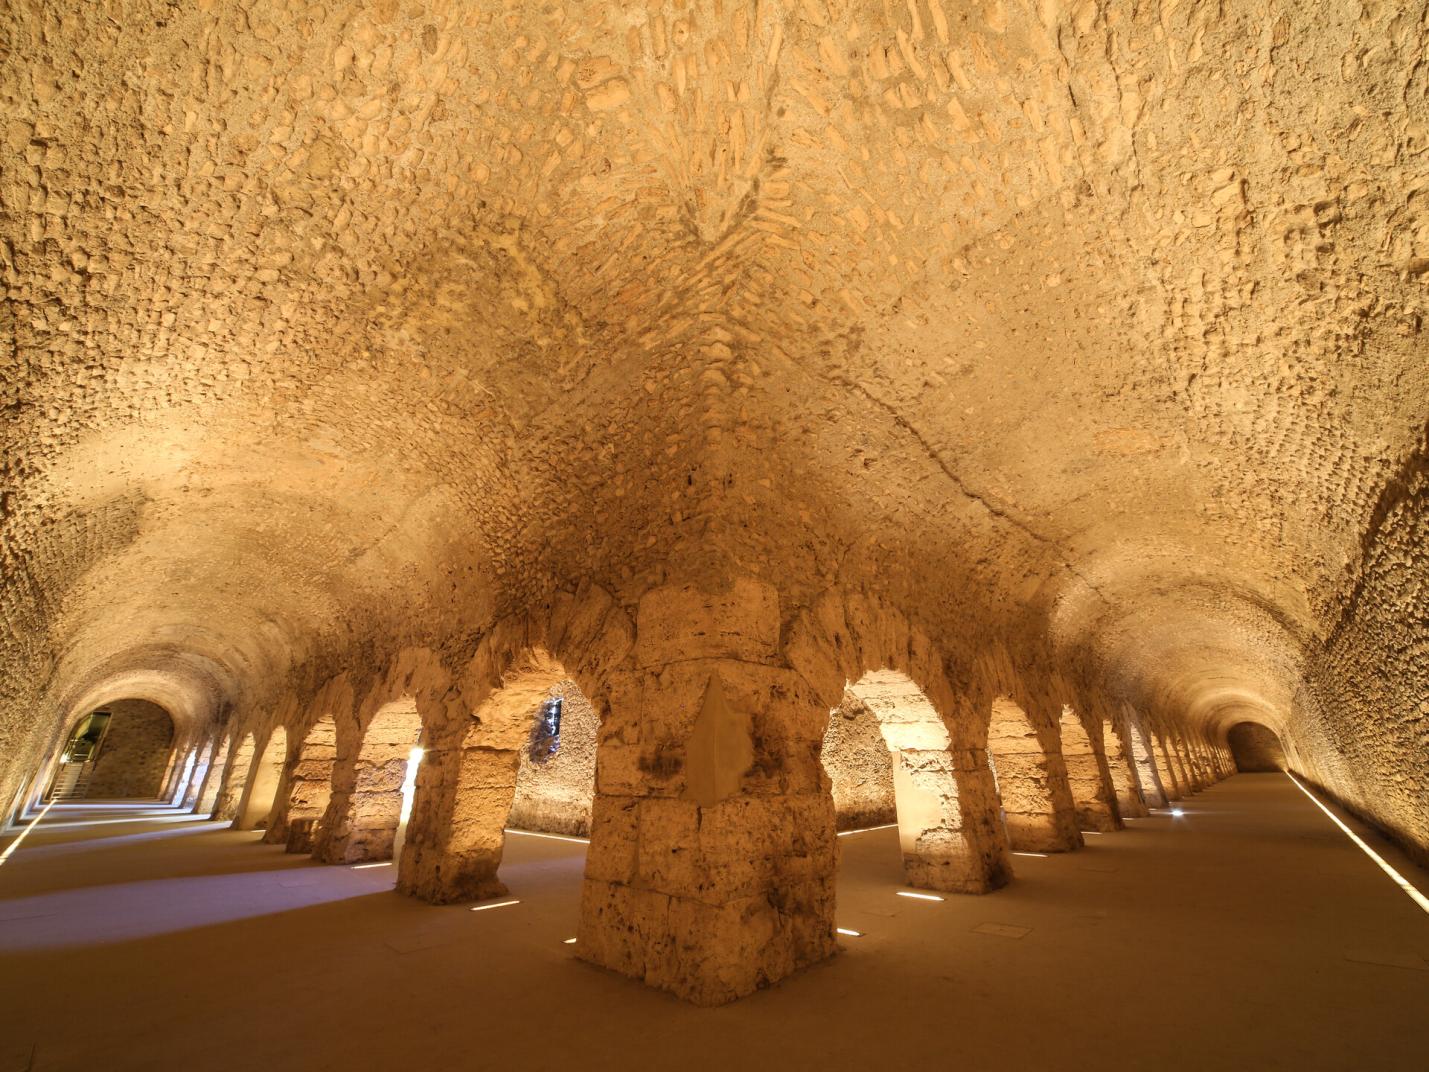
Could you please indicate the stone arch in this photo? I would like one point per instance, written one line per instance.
(235, 779)
(1145, 760)
(364, 811)
(183, 774)
(310, 785)
(855, 758)
(200, 774)
(207, 798)
(136, 754)
(554, 794)
(1176, 746)
(1125, 778)
(264, 783)
(1166, 767)
(467, 788)
(1255, 747)
(937, 852)
(1025, 783)
(477, 720)
(1087, 777)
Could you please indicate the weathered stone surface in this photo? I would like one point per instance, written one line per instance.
(360, 354)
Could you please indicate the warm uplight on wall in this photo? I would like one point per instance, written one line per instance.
(919, 896)
(1398, 879)
(498, 904)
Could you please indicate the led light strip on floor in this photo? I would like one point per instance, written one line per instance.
(1399, 880)
(10, 848)
(867, 829)
(548, 837)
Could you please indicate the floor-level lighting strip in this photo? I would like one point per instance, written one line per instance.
(549, 837)
(1399, 880)
(10, 848)
(919, 896)
(498, 904)
(867, 829)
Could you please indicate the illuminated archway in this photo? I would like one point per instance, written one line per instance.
(266, 777)
(200, 774)
(916, 776)
(365, 810)
(555, 784)
(235, 779)
(127, 756)
(467, 785)
(1091, 792)
(1024, 782)
(310, 785)
(213, 780)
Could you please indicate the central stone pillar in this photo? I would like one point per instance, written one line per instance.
(712, 858)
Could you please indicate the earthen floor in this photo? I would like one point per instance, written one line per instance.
(1248, 932)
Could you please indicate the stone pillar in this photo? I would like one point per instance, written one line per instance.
(1092, 795)
(235, 778)
(458, 828)
(1125, 778)
(1166, 768)
(467, 781)
(1032, 782)
(363, 813)
(1152, 790)
(309, 789)
(213, 780)
(711, 867)
(1177, 750)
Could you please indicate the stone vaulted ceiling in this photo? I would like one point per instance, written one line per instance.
(1089, 331)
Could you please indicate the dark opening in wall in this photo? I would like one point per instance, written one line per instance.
(1255, 748)
(546, 733)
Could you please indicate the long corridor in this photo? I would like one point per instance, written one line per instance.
(1245, 932)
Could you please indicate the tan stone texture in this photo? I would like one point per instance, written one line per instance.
(363, 358)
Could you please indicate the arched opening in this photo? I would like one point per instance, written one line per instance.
(265, 779)
(1176, 748)
(467, 786)
(555, 783)
(914, 781)
(363, 815)
(213, 780)
(1024, 783)
(185, 773)
(1255, 748)
(1091, 796)
(310, 785)
(200, 774)
(1125, 779)
(119, 752)
(1166, 769)
(855, 757)
(1152, 790)
(235, 780)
